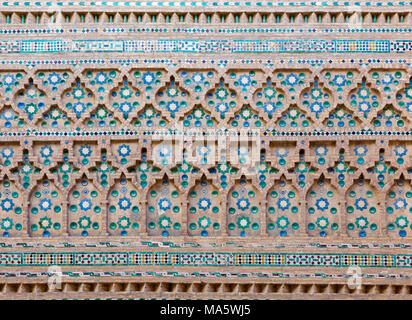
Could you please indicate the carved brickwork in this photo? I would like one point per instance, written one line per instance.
(204, 127)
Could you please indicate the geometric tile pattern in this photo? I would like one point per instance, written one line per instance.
(109, 184)
(224, 149)
(206, 259)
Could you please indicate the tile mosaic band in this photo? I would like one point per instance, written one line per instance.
(215, 259)
(206, 46)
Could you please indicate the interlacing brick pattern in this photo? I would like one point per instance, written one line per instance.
(144, 145)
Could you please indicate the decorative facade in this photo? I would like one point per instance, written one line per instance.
(205, 149)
